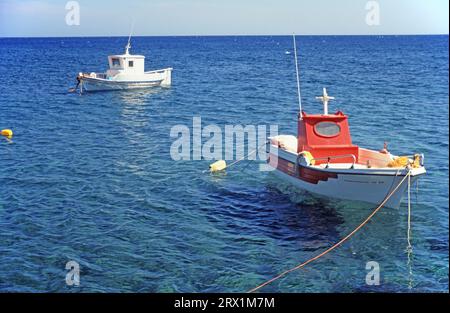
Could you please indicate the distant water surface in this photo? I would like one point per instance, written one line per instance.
(89, 178)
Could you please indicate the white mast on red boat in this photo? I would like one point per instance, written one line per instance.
(325, 98)
(298, 78)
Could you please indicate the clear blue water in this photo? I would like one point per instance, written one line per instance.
(89, 178)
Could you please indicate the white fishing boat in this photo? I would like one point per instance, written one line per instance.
(126, 71)
(322, 159)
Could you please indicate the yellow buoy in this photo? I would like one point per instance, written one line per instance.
(218, 166)
(309, 157)
(7, 133)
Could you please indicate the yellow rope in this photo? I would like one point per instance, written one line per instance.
(339, 242)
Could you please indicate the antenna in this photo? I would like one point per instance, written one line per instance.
(298, 78)
(128, 46)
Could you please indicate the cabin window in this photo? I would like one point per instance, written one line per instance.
(327, 129)
(130, 63)
(115, 62)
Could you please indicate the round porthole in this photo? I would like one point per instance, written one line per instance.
(327, 129)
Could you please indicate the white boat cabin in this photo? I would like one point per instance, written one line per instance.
(125, 65)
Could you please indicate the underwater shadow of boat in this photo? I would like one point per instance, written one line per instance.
(350, 210)
(271, 214)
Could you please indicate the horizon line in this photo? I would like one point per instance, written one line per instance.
(223, 35)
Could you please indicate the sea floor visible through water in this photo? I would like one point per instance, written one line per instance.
(90, 178)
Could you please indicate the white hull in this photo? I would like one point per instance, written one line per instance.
(150, 79)
(367, 185)
(93, 85)
(371, 189)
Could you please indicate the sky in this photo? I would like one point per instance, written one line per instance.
(50, 18)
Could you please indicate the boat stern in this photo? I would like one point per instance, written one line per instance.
(167, 81)
(164, 75)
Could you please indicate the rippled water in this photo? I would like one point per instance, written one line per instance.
(89, 178)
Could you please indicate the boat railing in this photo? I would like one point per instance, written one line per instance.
(329, 158)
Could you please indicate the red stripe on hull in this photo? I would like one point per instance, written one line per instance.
(306, 174)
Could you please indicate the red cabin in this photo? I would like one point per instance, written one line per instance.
(326, 136)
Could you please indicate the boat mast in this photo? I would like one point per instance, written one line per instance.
(298, 78)
(128, 46)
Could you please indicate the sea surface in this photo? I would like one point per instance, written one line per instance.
(90, 178)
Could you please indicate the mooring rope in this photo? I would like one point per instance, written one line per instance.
(409, 247)
(343, 239)
(248, 154)
(409, 215)
(242, 158)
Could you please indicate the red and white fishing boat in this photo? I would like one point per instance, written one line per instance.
(322, 159)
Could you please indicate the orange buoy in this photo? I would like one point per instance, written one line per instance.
(7, 133)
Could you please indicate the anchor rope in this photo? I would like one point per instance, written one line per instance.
(409, 248)
(340, 242)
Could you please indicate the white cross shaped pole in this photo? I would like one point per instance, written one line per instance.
(325, 98)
